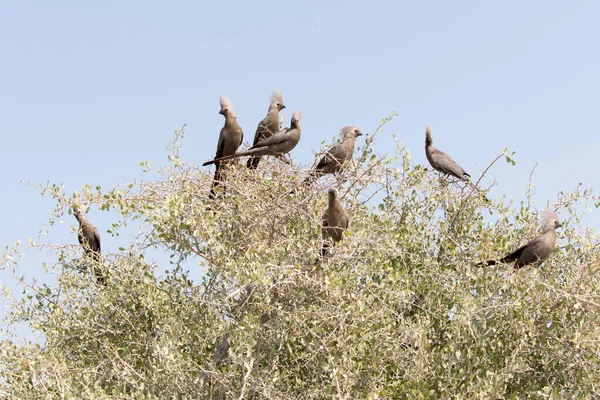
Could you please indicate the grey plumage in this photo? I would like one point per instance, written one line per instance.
(268, 126)
(536, 251)
(222, 350)
(335, 222)
(89, 238)
(277, 145)
(443, 163)
(334, 159)
(230, 139)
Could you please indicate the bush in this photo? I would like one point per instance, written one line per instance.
(398, 310)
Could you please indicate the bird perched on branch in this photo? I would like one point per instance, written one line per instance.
(333, 160)
(230, 139)
(443, 163)
(89, 238)
(277, 145)
(536, 251)
(335, 222)
(268, 126)
(222, 350)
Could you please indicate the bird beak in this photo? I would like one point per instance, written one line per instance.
(221, 112)
(559, 225)
(359, 134)
(282, 107)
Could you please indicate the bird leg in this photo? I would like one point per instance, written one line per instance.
(283, 158)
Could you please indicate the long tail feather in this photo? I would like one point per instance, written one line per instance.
(229, 157)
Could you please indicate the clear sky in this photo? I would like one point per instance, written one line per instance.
(89, 89)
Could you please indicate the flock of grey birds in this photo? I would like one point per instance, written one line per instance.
(269, 140)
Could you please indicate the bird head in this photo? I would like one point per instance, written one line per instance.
(549, 220)
(350, 132)
(226, 108)
(77, 212)
(276, 101)
(428, 137)
(332, 194)
(296, 117)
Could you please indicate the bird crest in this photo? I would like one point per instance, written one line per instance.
(297, 116)
(428, 131)
(226, 105)
(349, 131)
(276, 97)
(78, 211)
(549, 217)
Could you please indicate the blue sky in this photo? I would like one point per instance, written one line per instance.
(89, 89)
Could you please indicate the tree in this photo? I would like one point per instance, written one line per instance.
(398, 309)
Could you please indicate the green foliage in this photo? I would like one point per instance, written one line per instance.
(397, 311)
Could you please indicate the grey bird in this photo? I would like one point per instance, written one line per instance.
(443, 163)
(335, 222)
(230, 139)
(89, 238)
(222, 350)
(277, 145)
(268, 126)
(536, 251)
(334, 159)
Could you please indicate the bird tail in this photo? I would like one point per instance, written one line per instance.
(98, 269)
(253, 162)
(101, 278)
(505, 260)
(231, 156)
(312, 176)
(326, 247)
(486, 263)
(217, 181)
(479, 192)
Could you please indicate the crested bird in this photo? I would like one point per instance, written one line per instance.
(268, 126)
(537, 250)
(230, 139)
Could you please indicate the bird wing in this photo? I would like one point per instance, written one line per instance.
(96, 239)
(326, 219)
(447, 165)
(277, 138)
(220, 147)
(80, 235)
(515, 254)
(535, 251)
(333, 155)
(510, 257)
(260, 131)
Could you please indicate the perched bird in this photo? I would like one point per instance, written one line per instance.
(442, 162)
(277, 145)
(222, 350)
(538, 250)
(334, 159)
(89, 238)
(268, 126)
(230, 139)
(335, 222)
